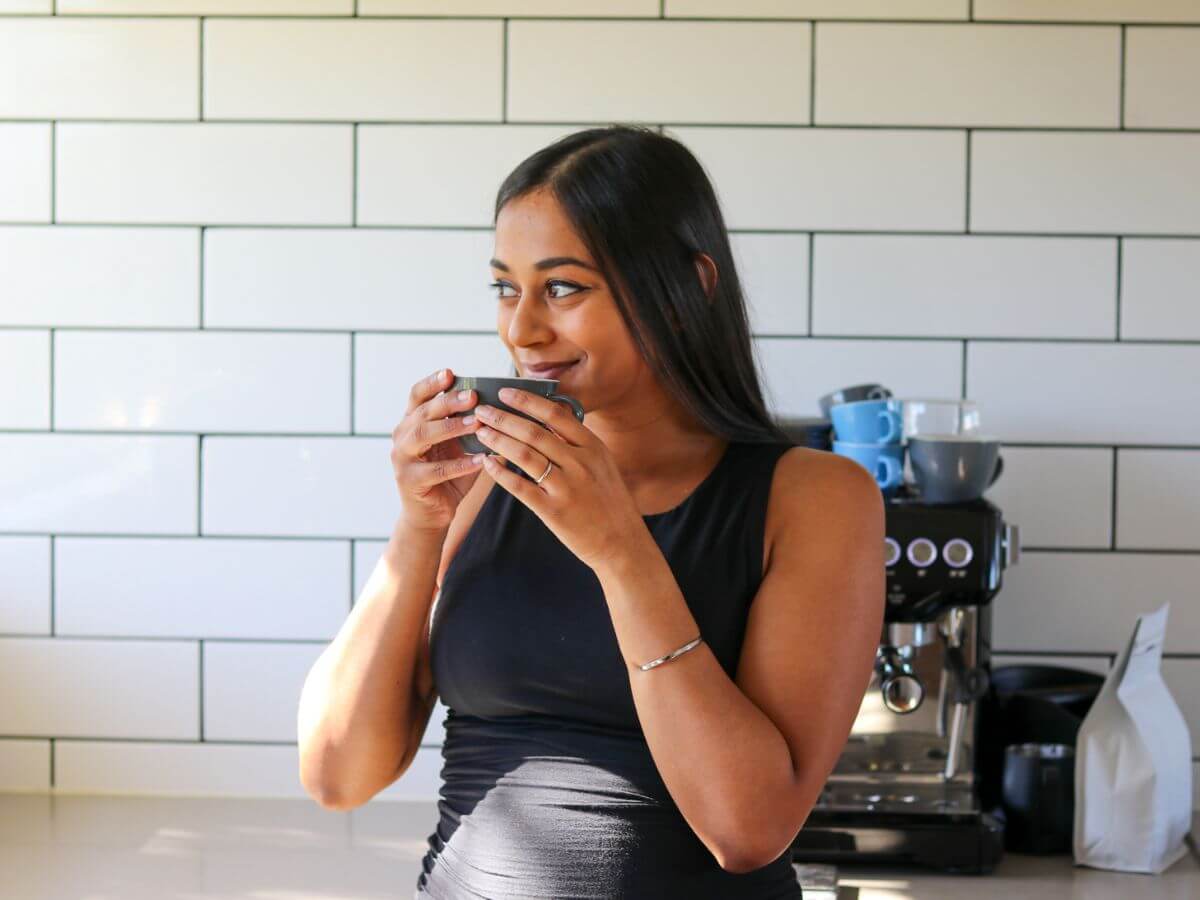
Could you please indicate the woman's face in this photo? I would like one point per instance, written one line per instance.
(551, 310)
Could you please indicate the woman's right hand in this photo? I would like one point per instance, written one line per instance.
(433, 473)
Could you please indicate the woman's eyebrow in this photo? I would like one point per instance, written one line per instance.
(550, 263)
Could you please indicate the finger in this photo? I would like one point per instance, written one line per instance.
(530, 434)
(447, 403)
(428, 387)
(432, 473)
(435, 431)
(529, 460)
(523, 490)
(557, 416)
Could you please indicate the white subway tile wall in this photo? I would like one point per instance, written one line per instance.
(61, 68)
(24, 379)
(1019, 75)
(205, 7)
(1160, 289)
(1089, 10)
(667, 71)
(393, 69)
(232, 241)
(25, 156)
(1164, 64)
(118, 277)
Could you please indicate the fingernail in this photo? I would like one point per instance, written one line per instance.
(467, 420)
(463, 395)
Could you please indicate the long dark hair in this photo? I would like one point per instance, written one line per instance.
(644, 207)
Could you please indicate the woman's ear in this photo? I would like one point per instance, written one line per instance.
(707, 270)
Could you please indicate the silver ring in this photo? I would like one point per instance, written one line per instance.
(541, 478)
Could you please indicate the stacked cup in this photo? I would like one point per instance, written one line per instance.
(951, 460)
(871, 432)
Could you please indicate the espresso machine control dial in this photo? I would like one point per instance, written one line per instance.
(891, 552)
(921, 552)
(957, 553)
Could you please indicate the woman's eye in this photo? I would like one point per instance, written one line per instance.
(550, 285)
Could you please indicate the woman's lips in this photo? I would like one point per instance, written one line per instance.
(553, 372)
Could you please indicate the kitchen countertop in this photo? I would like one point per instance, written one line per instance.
(65, 847)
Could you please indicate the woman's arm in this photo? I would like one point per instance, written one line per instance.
(745, 759)
(359, 703)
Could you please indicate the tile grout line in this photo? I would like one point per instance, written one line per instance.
(963, 375)
(504, 72)
(451, 332)
(811, 266)
(53, 586)
(200, 286)
(1121, 95)
(1120, 265)
(604, 19)
(1116, 455)
(53, 172)
(52, 337)
(967, 186)
(812, 74)
(354, 175)
(331, 225)
(200, 71)
(581, 123)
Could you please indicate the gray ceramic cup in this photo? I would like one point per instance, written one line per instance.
(487, 390)
(851, 394)
(953, 468)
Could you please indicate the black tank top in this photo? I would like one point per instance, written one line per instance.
(549, 788)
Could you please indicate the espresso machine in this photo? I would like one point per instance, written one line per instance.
(905, 789)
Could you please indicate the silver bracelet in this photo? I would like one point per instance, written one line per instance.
(694, 642)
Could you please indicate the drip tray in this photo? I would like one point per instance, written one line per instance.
(897, 797)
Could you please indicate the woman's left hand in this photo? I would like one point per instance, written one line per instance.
(584, 500)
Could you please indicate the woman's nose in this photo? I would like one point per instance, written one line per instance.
(525, 323)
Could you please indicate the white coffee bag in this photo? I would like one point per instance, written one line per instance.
(1133, 763)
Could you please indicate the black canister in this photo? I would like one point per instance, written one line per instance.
(1039, 797)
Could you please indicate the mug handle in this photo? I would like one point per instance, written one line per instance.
(575, 405)
(999, 469)
(894, 471)
(893, 426)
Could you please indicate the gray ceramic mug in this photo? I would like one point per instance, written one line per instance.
(953, 468)
(487, 390)
(851, 394)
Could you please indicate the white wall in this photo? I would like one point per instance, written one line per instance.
(232, 234)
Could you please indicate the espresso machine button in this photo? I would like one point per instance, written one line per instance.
(957, 553)
(922, 552)
(891, 551)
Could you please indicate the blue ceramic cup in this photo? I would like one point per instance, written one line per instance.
(884, 461)
(868, 421)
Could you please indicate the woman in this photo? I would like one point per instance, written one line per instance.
(653, 628)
